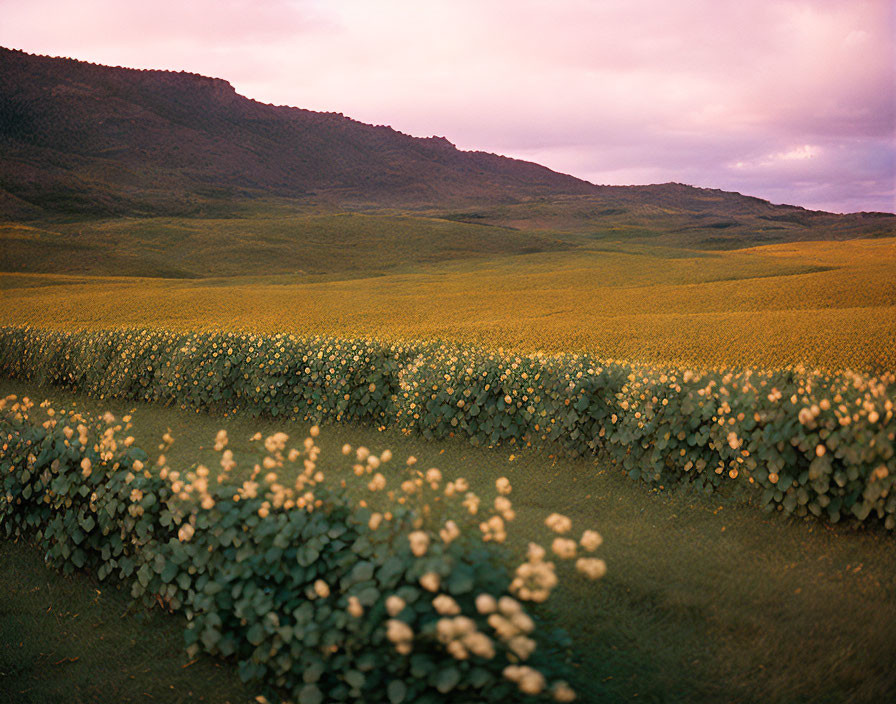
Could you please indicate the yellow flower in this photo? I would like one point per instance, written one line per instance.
(354, 607)
(449, 532)
(419, 543)
(591, 567)
(185, 533)
(591, 540)
(430, 581)
(558, 523)
(445, 605)
(486, 604)
(395, 605)
(562, 692)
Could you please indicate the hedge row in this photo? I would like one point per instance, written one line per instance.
(303, 593)
(812, 442)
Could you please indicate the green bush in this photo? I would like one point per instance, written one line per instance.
(297, 585)
(811, 442)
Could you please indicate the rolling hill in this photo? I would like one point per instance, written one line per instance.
(117, 171)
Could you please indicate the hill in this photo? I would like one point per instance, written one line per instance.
(78, 137)
(677, 215)
(104, 169)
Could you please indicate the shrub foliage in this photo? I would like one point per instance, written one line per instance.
(811, 442)
(312, 591)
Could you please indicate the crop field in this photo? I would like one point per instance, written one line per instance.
(820, 304)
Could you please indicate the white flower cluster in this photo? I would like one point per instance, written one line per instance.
(534, 579)
(591, 540)
(401, 635)
(449, 532)
(461, 638)
(419, 543)
(493, 530)
(511, 624)
(529, 680)
(564, 548)
(558, 524)
(591, 567)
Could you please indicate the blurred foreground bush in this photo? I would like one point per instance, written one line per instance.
(317, 591)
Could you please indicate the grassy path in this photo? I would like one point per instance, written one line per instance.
(705, 599)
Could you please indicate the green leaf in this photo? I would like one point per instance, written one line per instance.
(210, 638)
(390, 571)
(369, 596)
(397, 691)
(144, 574)
(447, 679)
(312, 672)
(310, 694)
(479, 677)
(421, 665)
(355, 679)
(461, 580)
(362, 572)
(169, 573)
(255, 635)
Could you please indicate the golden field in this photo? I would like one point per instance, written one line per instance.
(822, 304)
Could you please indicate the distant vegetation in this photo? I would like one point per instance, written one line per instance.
(198, 208)
(822, 304)
(307, 243)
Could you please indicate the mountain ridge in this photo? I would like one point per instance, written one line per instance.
(86, 140)
(71, 118)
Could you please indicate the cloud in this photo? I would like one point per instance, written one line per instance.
(805, 151)
(614, 91)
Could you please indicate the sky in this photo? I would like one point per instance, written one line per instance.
(793, 101)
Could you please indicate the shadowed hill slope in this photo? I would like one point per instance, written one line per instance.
(87, 138)
(80, 141)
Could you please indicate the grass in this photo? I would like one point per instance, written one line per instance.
(705, 599)
(73, 639)
(677, 216)
(303, 242)
(823, 304)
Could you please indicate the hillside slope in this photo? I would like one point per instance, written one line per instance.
(86, 141)
(85, 138)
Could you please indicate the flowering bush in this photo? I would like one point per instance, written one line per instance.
(317, 591)
(813, 442)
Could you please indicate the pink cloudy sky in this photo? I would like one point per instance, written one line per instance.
(791, 101)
